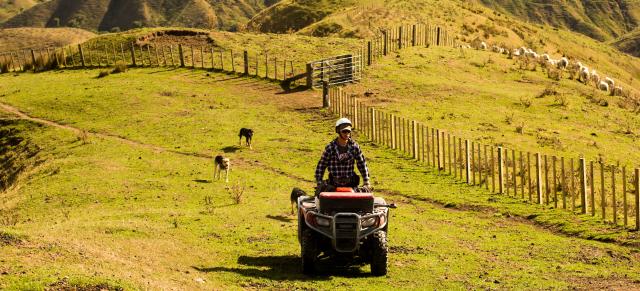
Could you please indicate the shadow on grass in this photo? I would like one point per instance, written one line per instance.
(285, 268)
(280, 218)
(203, 181)
(230, 149)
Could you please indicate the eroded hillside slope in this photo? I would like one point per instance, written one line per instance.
(113, 15)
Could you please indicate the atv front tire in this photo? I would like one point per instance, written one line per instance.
(308, 252)
(379, 254)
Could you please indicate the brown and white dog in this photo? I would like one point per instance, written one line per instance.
(222, 163)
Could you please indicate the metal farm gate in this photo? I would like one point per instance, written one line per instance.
(335, 70)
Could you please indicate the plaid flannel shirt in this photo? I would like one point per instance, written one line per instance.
(342, 169)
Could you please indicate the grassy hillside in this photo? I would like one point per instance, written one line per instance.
(105, 15)
(125, 198)
(26, 37)
(487, 97)
(629, 43)
(10, 8)
(601, 20)
(293, 15)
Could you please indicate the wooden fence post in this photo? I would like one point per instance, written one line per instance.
(438, 149)
(624, 196)
(467, 161)
(538, 178)
(473, 163)
(451, 164)
(394, 144)
(443, 148)
(613, 195)
(414, 129)
(373, 124)
(564, 184)
(400, 37)
(385, 47)
(193, 58)
(438, 36)
(325, 94)
(246, 64)
(583, 185)
(515, 181)
(637, 194)
(603, 194)
(82, 56)
(413, 35)
(369, 53)
(309, 75)
(500, 171)
(181, 55)
(356, 116)
(132, 49)
(33, 59)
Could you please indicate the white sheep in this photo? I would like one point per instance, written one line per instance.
(546, 57)
(595, 78)
(610, 82)
(563, 63)
(617, 91)
(552, 62)
(603, 86)
(483, 45)
(584, 75)
(516, 53)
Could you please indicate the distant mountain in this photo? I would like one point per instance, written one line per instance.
(113, 15)
(601, 20)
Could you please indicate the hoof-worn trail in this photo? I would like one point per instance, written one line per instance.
(133, 203)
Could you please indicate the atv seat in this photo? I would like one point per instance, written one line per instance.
(333, 202)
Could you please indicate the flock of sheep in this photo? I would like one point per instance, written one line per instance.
(576, 69)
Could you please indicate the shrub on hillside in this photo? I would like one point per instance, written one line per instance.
(549, 91)
(326, 29)
(561, 100)
(236, 192)
(526, 102)
(120, 67)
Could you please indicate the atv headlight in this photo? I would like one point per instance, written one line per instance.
(322, 221)
(368, 222)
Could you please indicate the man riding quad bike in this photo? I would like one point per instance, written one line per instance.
(343, 222)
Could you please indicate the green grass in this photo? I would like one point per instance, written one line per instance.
(483, 96)
(134, 216)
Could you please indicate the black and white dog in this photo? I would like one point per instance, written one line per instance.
(295, 193)
(222, 163)
(247, 134)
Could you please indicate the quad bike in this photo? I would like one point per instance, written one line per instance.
(348, 226)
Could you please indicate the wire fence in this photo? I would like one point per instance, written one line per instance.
(154, 55)
(610, 192)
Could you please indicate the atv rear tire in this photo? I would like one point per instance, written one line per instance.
(308, 252)
(379, 254)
